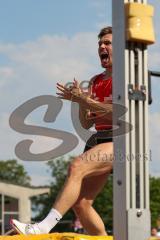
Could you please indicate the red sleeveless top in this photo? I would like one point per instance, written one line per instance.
(102, 91)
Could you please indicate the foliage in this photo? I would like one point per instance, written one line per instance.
(13, 172)
(154, 200)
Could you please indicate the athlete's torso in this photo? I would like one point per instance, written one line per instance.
(101, 90)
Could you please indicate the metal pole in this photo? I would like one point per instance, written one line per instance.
(131, 152)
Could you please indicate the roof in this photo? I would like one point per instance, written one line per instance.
(19, 191)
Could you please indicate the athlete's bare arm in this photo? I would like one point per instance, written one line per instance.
(90, 110)
(75, 94)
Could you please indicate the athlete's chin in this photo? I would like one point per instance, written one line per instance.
(106, 65)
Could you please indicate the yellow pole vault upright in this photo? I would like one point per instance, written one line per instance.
(132, 32)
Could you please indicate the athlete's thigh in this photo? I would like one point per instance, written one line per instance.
(98, 160)
(92, 186)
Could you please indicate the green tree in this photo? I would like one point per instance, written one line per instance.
(13, 172)
(154, 199)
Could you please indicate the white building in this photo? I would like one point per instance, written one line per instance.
(15, 202)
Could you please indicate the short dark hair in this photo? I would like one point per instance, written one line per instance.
(104, 31)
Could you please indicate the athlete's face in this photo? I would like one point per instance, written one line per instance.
(105, 50)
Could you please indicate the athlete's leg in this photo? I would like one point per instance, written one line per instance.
(96, 161)
(89, 218)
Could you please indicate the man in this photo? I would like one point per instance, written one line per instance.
(88, 172)
(154, 232)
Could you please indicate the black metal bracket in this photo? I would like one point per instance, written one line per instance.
(150, 74)
(139, 94)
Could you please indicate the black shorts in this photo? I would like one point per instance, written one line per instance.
(98, 138)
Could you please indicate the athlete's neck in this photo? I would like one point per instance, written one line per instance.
(108, 72)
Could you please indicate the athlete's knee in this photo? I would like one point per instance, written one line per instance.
(76, 167)
(82, 205)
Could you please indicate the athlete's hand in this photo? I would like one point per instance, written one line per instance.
(65, 93)
(71, 93)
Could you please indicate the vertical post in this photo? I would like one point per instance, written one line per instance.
(3, 219)
(131, 153)
(25, 209)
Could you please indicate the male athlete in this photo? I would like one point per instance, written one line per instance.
(88, 172)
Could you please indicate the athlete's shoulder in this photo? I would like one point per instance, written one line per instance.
(95, 77)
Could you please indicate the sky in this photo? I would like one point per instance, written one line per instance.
(45, 42)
